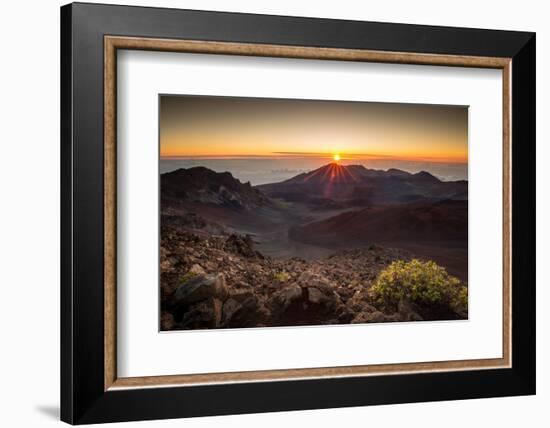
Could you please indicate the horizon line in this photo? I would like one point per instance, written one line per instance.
(308, 155)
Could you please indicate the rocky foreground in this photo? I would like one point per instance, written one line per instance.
(223, 282)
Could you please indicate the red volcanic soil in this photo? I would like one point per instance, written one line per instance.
(451, 255)
(439, 221)
(434, 230)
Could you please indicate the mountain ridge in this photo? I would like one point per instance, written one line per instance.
(200, 184)
(360, 186)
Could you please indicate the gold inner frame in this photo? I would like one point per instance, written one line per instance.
(113, 43)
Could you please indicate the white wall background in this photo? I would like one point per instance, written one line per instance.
(29, 215)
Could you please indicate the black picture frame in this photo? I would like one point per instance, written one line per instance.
(83, 398)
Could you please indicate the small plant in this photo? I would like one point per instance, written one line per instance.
(186, 277)
(282, 276)
(423, 283)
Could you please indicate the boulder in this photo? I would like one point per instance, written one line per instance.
(345, 315)
(287, 295)
(230, 308)
(315, 296)
(168, 264)
(216, 306)
(408, 311)
(396, 317)
(197, 269)
(369, 317)
(242, 246)
(203, 314)
(201, 287)
(316, 280)
(326, 298)
(169, 282)
(244, 313)
(166, 321)
(239, 284)
(241, 295)
(359, 303)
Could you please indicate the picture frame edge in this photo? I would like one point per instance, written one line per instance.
(86, 396)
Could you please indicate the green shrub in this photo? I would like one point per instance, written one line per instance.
(281, 276)
(423, 283)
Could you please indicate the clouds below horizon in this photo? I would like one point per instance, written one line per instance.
(269, 170)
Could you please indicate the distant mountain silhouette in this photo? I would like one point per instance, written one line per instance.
(357, 185)
(200, 184)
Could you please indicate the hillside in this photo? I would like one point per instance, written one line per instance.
(421, 221)
(203, 185)
(224, 282)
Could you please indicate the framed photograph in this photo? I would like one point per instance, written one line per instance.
(265, 213)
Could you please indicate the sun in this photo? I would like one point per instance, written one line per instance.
(336, 157)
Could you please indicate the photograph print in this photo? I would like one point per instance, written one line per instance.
(289, 212)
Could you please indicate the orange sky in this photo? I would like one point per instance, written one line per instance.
(192, 126)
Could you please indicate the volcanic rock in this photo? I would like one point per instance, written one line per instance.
(408, 311)
(201, 287)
